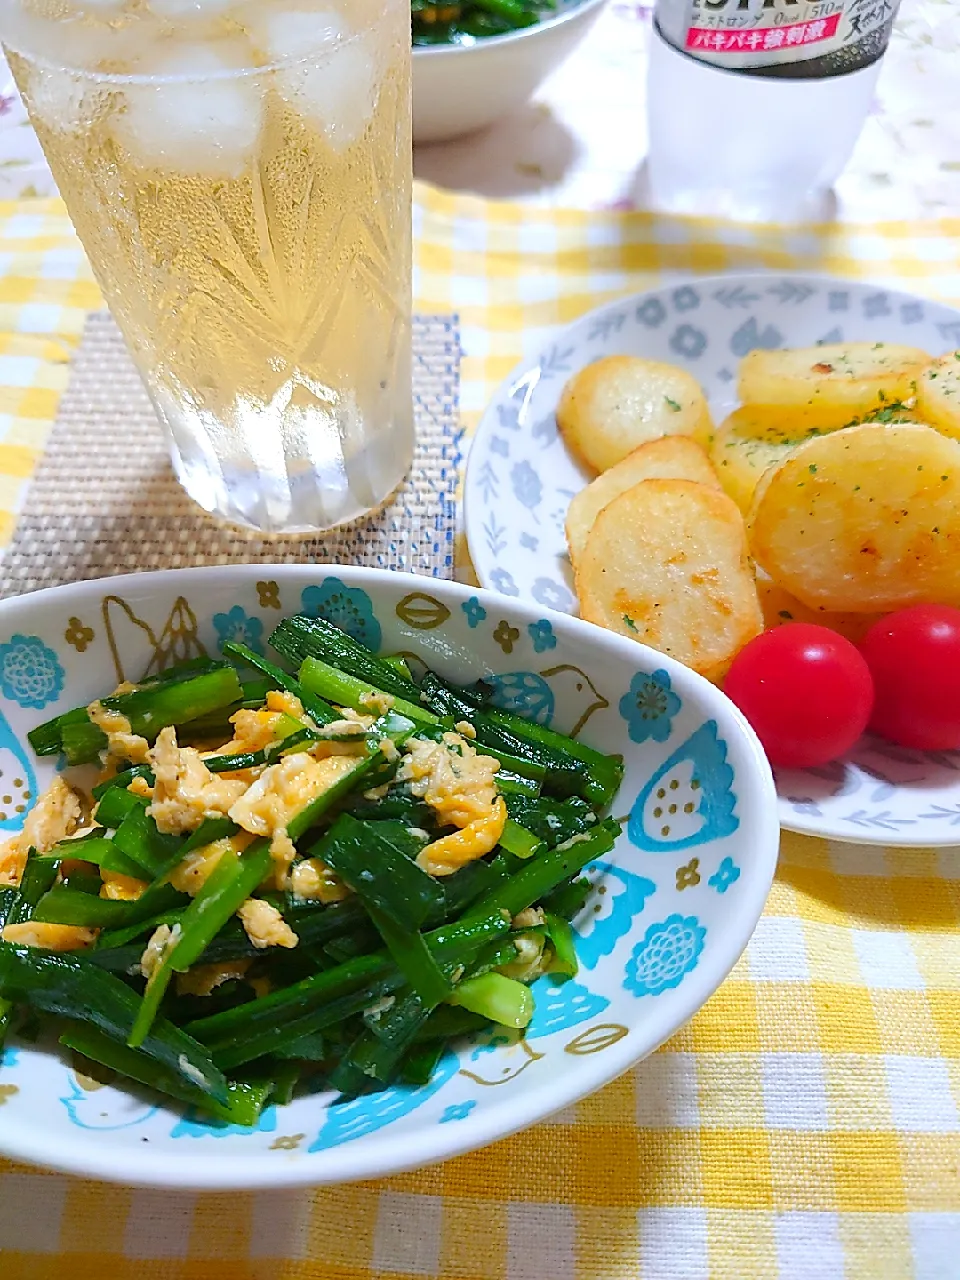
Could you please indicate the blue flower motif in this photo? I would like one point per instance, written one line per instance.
(688, 341)
(526, 485)
(876, 305)
(726, 874)
(475, 612)
(348, 608)
(649, 707)
(838, 300)
(750, 336)
(552, 595)
(652, 313)
(503, 582)
(239, 627)
(686, 299)
(668, 952)
(499, 445)
(529, 542)
(911, 312)
(457, 1111)
(30, 673)
(541, 633)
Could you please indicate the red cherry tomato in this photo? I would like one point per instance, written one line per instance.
(806, 690)
(914, 658)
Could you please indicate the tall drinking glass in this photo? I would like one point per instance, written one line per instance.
(239, 172)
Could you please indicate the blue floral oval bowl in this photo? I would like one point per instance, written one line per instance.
(672, 907)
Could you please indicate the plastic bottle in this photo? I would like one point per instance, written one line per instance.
(755, 106)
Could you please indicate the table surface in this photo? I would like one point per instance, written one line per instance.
(582, 142)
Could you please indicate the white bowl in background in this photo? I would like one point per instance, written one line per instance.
(458, 89)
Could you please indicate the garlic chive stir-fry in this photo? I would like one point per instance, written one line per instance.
(313, 879)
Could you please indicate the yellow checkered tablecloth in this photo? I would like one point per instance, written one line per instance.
(805, 1125)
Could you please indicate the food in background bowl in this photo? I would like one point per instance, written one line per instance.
(459, 88)
(454, 23)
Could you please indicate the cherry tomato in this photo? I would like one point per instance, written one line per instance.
(806, 690)
(914, 658)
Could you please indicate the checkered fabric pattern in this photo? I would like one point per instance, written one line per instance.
(804, 1126)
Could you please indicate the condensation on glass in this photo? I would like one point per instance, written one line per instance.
(239, 172)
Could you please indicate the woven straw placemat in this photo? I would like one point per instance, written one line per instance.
(104, 499)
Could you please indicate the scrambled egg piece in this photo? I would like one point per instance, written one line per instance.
(280, 792)
(186, 791)
(312, 878)
(452, 777)
(161, 941)
(120, 888)
(122, 742)
(459, 784)
(202, 979)
(55, 817)
(378, 703)
(265, 926)
(254, 730)
(50, 937)
(191, 873)
(450, 852)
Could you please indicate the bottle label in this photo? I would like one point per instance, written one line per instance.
(779, 37)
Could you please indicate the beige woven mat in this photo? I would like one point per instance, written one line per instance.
(104, 499)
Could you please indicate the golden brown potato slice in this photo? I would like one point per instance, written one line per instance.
(753, 438)
(837, 380)
(616, 404)
(666, 563)
(938, 394)
(863, 520)
(670, 458)
(779, 606)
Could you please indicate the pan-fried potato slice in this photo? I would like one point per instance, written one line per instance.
(670, 458)
(863, 520)
(837, 380)
(667, 563)
(938, 394)
(779, 607)
(616, 404)
(756, 436)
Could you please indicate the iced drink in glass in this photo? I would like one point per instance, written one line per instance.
(239, 172)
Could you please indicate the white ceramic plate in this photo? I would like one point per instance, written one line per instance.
(520, 479)
(675, 903)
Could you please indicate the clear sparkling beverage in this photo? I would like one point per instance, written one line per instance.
(239, 172)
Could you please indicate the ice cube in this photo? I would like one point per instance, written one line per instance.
(189, 8)
(61, 101)
(197, 117)
(332, 79)
(286, 36)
